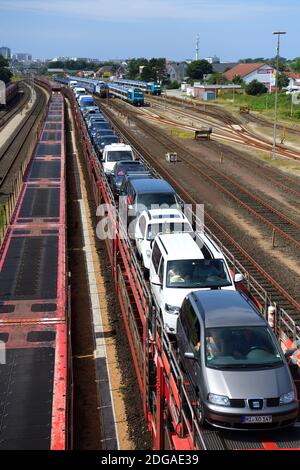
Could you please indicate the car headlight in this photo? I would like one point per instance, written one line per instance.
(172, 309)
(148, 253)
(218, 399)
(287, 398)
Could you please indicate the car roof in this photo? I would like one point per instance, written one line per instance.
(110, 136)
(131, 162)
(221, 308)
(158, 215)
(128, 162)
(152, 185)
(192, 246)
(118, 146)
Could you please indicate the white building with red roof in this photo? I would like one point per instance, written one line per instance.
(261, 72)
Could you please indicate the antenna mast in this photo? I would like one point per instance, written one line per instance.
(197, 46)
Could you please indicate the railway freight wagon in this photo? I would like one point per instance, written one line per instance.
(132, 95)
(171, 405)
(151, 88)
(11, 91)
(36, 369)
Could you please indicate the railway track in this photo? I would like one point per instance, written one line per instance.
(277, 178)
(236, 131)
(17, 142)
(14, 108)
(282, 225)
(247, 263)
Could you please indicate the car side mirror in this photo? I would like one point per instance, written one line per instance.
(238, 277)
(290, 352)
(155, 280)
(189, 355)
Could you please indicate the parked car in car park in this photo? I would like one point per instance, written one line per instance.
(235, 363)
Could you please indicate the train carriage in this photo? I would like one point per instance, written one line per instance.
(132, 95)
(151, 88)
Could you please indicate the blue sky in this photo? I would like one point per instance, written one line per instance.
(231, 29)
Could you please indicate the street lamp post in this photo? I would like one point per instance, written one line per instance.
(278, 34)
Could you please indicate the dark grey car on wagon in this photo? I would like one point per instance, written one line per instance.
(235, 363)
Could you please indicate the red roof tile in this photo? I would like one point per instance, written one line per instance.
(242, 70)
(294, 75)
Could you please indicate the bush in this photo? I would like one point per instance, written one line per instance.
(255, 88)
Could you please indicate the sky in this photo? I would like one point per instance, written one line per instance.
(119, 29)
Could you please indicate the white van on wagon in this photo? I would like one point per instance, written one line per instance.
(182, 263)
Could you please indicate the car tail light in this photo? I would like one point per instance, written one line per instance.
(128, 200)
(121, 173)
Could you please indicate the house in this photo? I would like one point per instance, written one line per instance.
(176, 71)
(261, 72)
(106, 71)
(294, 79)
(222, 67)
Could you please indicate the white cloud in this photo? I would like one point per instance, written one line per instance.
(199, 10)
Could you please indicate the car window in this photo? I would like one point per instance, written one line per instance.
(156, 255)
(239, 347)
(161, 270)
(142, 225)
(197, 273)
(156, 200)
(118, 155)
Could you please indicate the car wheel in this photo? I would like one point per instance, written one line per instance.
(200, 414)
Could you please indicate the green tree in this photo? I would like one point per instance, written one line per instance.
(237, 80)
(158, 67)
(255, 88)
(295, 64)
(282, 65)
(147, 74)
(5, 73)
(134, 67)
(198, 68)
(283, 81)
(217, 79)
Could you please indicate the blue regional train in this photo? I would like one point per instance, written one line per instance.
(152, 88)
(95, 87)
(130, 94)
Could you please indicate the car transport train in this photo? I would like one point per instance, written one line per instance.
(165, 366)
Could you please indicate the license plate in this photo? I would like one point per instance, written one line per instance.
(257, 419)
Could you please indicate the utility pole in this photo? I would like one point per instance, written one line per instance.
(278, 34)
(197, 46)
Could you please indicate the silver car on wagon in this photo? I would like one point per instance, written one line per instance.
(235, 363)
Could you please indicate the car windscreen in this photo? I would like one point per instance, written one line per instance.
(166, 227)
(197, 273)
(239, 347)
(118, 155)
(109, 140)
(100, 125)
(156, 201)
(129, 166)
